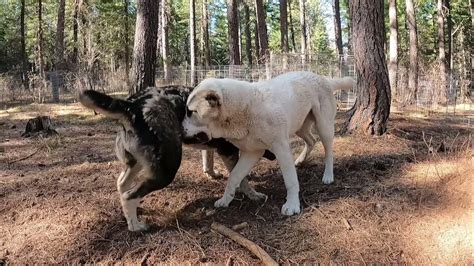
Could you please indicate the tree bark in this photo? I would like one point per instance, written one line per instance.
(24, 59)
(442, 52)
(337, 27)
(192, 40)
(303, 30)
(60, 35)
(309, 47)
(465, 67)
(471, 50)
(75, 29)
(206, 51)
(248, 35)
(393, 61)
(165, 40)
(372, 107)
(233, 32)
(413, 69)
(449, 31)
(40, 40)
(126, 44)
(257, 43)
(144, 49)
(349, 28)
(292, 28)
(262, 31)
(284, 26)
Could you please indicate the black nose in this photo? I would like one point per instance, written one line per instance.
(202, 137)
(188, 112)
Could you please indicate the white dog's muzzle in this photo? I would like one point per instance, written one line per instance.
(195, 134)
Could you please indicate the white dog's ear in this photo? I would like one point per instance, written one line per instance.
(213, 99)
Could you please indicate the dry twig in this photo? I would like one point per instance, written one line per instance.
(240, 226)
(251, 246)
(26, 157)
(346, 223)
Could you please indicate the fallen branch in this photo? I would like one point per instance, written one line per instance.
(240, 226)
(346, 224)
(251, 246)
(26, 157)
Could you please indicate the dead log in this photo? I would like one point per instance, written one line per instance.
(251, 246)
(39, 126)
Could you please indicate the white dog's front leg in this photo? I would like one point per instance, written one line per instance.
(285, 159)
(246, 161)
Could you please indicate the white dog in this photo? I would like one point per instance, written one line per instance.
(259, 116)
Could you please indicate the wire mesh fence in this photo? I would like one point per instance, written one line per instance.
(429, 95)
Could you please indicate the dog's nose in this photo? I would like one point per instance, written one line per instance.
(201, 136)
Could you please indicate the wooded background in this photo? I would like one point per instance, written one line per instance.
(90, 43)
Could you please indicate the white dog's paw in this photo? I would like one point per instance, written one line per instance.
(223, 202)
(256, 196)
(138, 227)
(328, 179)
(290, 208)
(213, 175)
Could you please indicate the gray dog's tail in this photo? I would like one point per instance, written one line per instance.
(345, 83)
(106, 105)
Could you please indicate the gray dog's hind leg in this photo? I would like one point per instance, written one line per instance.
(208, 164)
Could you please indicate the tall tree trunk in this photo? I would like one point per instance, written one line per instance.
(337, 27)
(465, 68)
(292, 28)
(349, 28)
(393, 63)
(449, 29)
(262, 31)
(257, 43)
(75, 29)
(248, 36)
(192, 40)
(284, 26)
(303, 30)
(126, 44)
(471, 52)
(309, 47)
(413, 70)
(24, 59)
(40, 40)
(233, 32)
(206, 56)
(60, 36)
(372, 107)
(165, 40)
(442, 52)
(144, 49)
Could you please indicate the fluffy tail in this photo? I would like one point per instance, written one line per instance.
(345, 83)
(106, 105)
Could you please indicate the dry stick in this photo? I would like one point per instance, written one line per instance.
(251, 246)
(240, 226)
(26, 157)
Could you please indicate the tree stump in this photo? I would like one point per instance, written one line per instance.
(39, 126)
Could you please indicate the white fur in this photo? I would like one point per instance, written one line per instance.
(263, 115)
(130, 212)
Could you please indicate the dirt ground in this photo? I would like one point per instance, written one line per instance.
(396, 199)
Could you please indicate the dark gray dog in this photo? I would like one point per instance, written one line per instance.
(150, 143)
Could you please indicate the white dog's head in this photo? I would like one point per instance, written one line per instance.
(202, 108)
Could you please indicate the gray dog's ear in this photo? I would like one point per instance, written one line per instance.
(213, 99)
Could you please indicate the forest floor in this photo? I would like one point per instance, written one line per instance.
(405, 197)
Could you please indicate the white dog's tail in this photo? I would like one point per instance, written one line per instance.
(345, 83)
